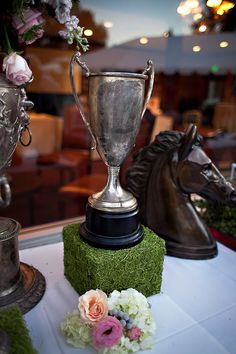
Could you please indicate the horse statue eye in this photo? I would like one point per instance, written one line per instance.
(207, 168)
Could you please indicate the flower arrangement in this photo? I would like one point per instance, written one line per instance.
(116, 324)
(21, 22)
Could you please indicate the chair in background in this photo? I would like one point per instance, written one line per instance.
(74, 154)
(59, 153)
(225, 116)
(46, 136)
(192, 116)
(162, 123)
(77, 192)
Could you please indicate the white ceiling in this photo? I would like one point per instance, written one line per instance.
(173, 54)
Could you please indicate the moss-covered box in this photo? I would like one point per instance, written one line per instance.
(12, 322)
(138, 267)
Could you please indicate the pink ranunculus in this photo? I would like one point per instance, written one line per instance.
(107, 332)
(134, 333)
(17, 70)
(93, 306)
(31, 17)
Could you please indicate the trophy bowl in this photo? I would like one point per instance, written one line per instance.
(117, 102)
(13, 121)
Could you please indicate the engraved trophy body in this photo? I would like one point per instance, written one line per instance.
(117, 103)
(13, 121)
(19, 282)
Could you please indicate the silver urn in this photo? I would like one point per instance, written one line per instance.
(20, 283)
(13, 122)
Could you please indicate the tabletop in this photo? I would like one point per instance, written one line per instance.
(195, 311)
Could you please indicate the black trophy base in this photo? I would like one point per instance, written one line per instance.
(111, 230)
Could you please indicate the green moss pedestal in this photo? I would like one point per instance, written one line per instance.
(14, 326)
(139, 267)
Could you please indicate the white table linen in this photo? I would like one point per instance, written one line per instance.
(195, 312)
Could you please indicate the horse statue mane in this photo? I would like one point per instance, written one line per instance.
(162, 178)
(138, 176)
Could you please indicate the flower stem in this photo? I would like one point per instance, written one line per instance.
(9, 48)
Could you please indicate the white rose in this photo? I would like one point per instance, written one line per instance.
(17, 70)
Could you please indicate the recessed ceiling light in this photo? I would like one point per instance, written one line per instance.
(183, 10)
(213, 3)
(192, 4)
(197, 16)
(143, 40)
(196, 48)
(224, 44)
(202, 28)
(108, 24)
(88, 32)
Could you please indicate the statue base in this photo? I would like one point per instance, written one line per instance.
(200, 251)
(139, 267)
(111, 230)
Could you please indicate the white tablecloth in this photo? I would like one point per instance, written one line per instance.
(195, 311)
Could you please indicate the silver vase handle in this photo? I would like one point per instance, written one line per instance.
(149, 70)
(4, 185)
(76, 59)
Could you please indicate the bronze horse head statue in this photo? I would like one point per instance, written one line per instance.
(162, 178)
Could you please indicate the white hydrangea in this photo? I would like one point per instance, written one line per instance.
(137, 307)
(124, 347)
(130, 301)
(75, 330)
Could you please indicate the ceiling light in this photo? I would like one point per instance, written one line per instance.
(88, 32)
(143, 40)
(202, 28)
(197, 17)
(224, 7)
(108, 24)
(213, 3)
(192, 4)
(196, 48)
(224, 44)
(182, 9)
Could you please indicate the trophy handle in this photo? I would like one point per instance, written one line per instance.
(150, 72)
(75, 59)
(7, 192)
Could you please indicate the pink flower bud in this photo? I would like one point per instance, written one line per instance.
(134, 333)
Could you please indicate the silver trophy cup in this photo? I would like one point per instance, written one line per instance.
(117, 102)
(19, 282)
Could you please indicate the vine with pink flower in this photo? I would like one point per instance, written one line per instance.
(116, 324)
(22, 23)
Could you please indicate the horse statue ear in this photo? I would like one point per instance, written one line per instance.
(187, 142)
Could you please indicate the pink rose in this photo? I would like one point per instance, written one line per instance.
(107, 332)
(134, 333)
(17, 70)
(93, 306)
(29, 27)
